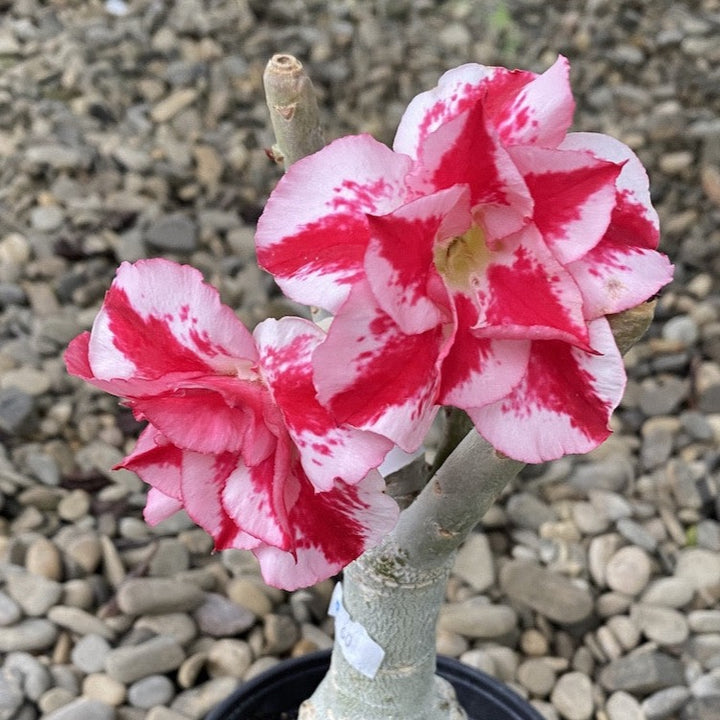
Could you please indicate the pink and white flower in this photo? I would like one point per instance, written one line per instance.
(473, 265)
(236, 435)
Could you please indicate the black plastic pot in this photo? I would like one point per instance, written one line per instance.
(277, 693)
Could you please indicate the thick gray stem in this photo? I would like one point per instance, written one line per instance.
(395, 591)
(293, 109)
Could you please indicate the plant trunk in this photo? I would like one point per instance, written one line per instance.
(395, 591)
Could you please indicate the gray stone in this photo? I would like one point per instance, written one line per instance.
(672, 592)
(198, 701)
(642, 672)
(141, 596)
(476, 618)
(536, 675)
(704, 621)
(90, 652)
(622, 705)
(707, 685)
(175, 233)
(46, 218)
(16, 407)
(474, 563)
(699, 566)
(636, 534)
(628, 570)
(83, 709)
(229, 657)
(11, 696)
(554, 596)
(662, 395)
(663, 625)
(573, 696)
(151, 691)
(30, 635)
(177, 625)
(218, 616)
(133, 662)
(10, 611)
(281, 633)
(527, 511)
(34, 676)
(666, 702)
(80, 621)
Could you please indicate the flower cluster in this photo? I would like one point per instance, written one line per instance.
(473, 265)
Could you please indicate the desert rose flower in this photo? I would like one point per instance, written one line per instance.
(235, 434)
(472, 265)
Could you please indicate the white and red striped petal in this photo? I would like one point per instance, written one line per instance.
(538, 113)
(467, 150)
(457, 90)
(634, 208)
(313, 233)
(329, 452)
(574, 196)
(400, 259)
(562, 405)
(374, 377)
(479, 371)
(180, 478)
(160, 321)
(330, 530)
(526, 294)
(615, 276)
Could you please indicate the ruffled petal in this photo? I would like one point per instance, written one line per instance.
(331, 529)
(634, 211)
(189, 480)
(159, 320)
(525, 293)
(159, 507)
(466, 150)
(457, 90)
(328, 452)
(574, 196)
(562, 405)
(539, 113)
(623, 269)
(479, 371)
(400, 259)
(375, 377)
(313, 233)
(213, 415)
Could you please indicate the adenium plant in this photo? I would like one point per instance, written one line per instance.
(474, 265)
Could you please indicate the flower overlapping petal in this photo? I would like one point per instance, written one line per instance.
(473, 265)
(236, 435)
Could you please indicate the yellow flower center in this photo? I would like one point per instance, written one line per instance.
(461, 257)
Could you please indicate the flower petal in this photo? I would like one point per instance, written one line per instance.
(159, 507)
(457, 90)
(634, 207)
(313, 233)
(479, 371)
(331, 529)
(563, 404)
(400, 259)
(524, 108)
(540, 113)
(213, 415)
(375, 377)
(574, 196)
(159, 320)
(525, 293)
(187, 479)
(328, 452)
(623, 269)
(466, 150)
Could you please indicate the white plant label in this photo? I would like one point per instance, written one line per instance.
(359, 649)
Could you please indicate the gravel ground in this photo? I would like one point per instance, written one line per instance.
(593, 587)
